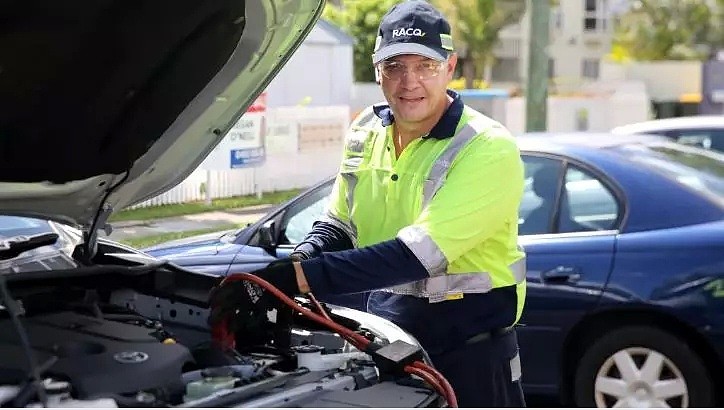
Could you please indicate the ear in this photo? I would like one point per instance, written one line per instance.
(452, 62)
(377, 74)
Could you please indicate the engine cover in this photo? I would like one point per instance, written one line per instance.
(96, 356)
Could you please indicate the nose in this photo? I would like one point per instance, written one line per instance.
(409, 79)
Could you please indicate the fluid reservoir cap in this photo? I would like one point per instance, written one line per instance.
(309, 349)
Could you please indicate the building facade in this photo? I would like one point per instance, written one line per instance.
(581, 32)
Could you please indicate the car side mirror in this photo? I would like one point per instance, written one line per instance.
(267, 234)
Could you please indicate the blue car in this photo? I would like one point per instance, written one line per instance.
(625, 244)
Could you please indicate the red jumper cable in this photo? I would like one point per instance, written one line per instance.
(430, 375)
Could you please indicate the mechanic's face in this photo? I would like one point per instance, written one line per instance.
(415, 86)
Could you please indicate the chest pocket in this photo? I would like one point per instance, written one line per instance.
(354, 163)
(386, 197)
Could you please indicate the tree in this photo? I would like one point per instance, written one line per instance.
(360, 19)
(666, 30)
(476, 25)
(474, 22)
(716, 37)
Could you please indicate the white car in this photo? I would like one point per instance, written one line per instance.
(706, 131)
(107, 104)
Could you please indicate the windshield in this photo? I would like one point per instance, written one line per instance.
(700, 170)
(50, 257)
(15, 225)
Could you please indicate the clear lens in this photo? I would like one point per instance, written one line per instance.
(423, 70)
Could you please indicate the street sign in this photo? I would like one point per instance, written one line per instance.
(242, 158)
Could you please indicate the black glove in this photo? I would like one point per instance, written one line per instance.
(241, 305)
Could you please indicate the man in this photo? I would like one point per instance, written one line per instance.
(424, 215)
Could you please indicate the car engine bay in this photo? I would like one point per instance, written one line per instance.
(128, 334)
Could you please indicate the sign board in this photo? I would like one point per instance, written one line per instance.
(321, 134)
(243, 145)
(245, 157)
(281, 137)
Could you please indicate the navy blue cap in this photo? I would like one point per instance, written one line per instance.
(413, 27)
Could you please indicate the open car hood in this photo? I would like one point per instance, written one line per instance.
(107, 103)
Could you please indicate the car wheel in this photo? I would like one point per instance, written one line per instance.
(641, 366)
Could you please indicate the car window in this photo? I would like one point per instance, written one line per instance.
(542, 180)
(700, 170)
(586, 203)
(299, 218)
(711, 139)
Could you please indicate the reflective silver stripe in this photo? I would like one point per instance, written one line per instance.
(519, 269)
(424, 248)
(441, 284)
(439, 169)
(355, 142)
(438, 288)
(351, 179)
(366, 119)
(419, 241)
(351, 164)
(446, 41)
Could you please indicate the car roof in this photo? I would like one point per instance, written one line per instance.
(592, 147)
(689, 122)
(583, 143)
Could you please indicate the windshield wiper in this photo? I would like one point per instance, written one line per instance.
(234, 233)
(12, 247)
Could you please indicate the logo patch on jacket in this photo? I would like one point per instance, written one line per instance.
(356, 142)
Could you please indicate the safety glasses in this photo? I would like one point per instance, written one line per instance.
(423, 70)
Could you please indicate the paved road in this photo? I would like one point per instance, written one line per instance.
(136, 229)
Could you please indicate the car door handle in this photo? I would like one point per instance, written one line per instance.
(562, 274)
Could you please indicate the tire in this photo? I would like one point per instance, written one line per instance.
(682, 371)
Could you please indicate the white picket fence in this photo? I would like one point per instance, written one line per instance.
(303, 146)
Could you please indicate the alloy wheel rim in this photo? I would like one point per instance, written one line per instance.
(640, 377)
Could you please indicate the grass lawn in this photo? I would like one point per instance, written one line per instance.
(165, 211)
(146, 241)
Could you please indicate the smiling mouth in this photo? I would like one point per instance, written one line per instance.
(409, 99)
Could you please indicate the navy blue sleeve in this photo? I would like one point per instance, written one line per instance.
(324, 237)
(373, 267)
